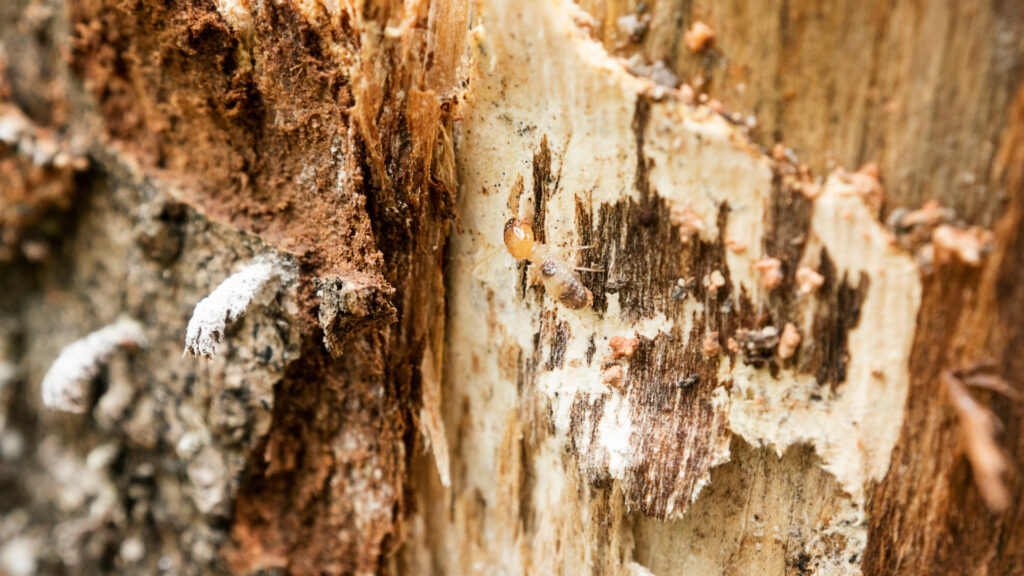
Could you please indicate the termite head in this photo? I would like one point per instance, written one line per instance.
(519, 238)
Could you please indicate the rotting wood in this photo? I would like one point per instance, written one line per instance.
(415, 406)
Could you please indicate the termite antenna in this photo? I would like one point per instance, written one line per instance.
(590, 269)
(484, 259)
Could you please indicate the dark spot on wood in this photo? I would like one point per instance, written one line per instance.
(521, 372)
(826, 353)
(758, 346)
(558, 344)
(614, 286)
(674, 426)
(265, 355)
(689, 381)
(591, 348)
(527, 482)
(641, 117)
(787, 221)
(514, 195)
(542, 184)
(645, 261)
(802, 564)
(585, 413)
(669, 382)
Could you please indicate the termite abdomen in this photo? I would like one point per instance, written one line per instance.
(565, 285)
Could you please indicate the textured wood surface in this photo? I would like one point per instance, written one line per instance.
(921, 88)
(409, 400)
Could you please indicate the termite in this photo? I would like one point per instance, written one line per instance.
(560, 280)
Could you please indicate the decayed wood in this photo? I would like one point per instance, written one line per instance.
(611, 175)
(969, 317)
(277, 120)
(921, 89)
(757, 385)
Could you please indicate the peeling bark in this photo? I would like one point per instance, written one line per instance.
(791, 363)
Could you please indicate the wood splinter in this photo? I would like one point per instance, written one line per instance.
(978, 426)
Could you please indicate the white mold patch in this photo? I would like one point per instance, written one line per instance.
(237, 14)
(67, 383)
(229, 301)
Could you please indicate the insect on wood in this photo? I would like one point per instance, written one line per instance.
(560, 280)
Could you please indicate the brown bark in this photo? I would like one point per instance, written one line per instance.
(400, 395)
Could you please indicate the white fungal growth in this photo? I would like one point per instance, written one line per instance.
(66, 384)
(237, 14)
(638, 570)
(226, 304)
